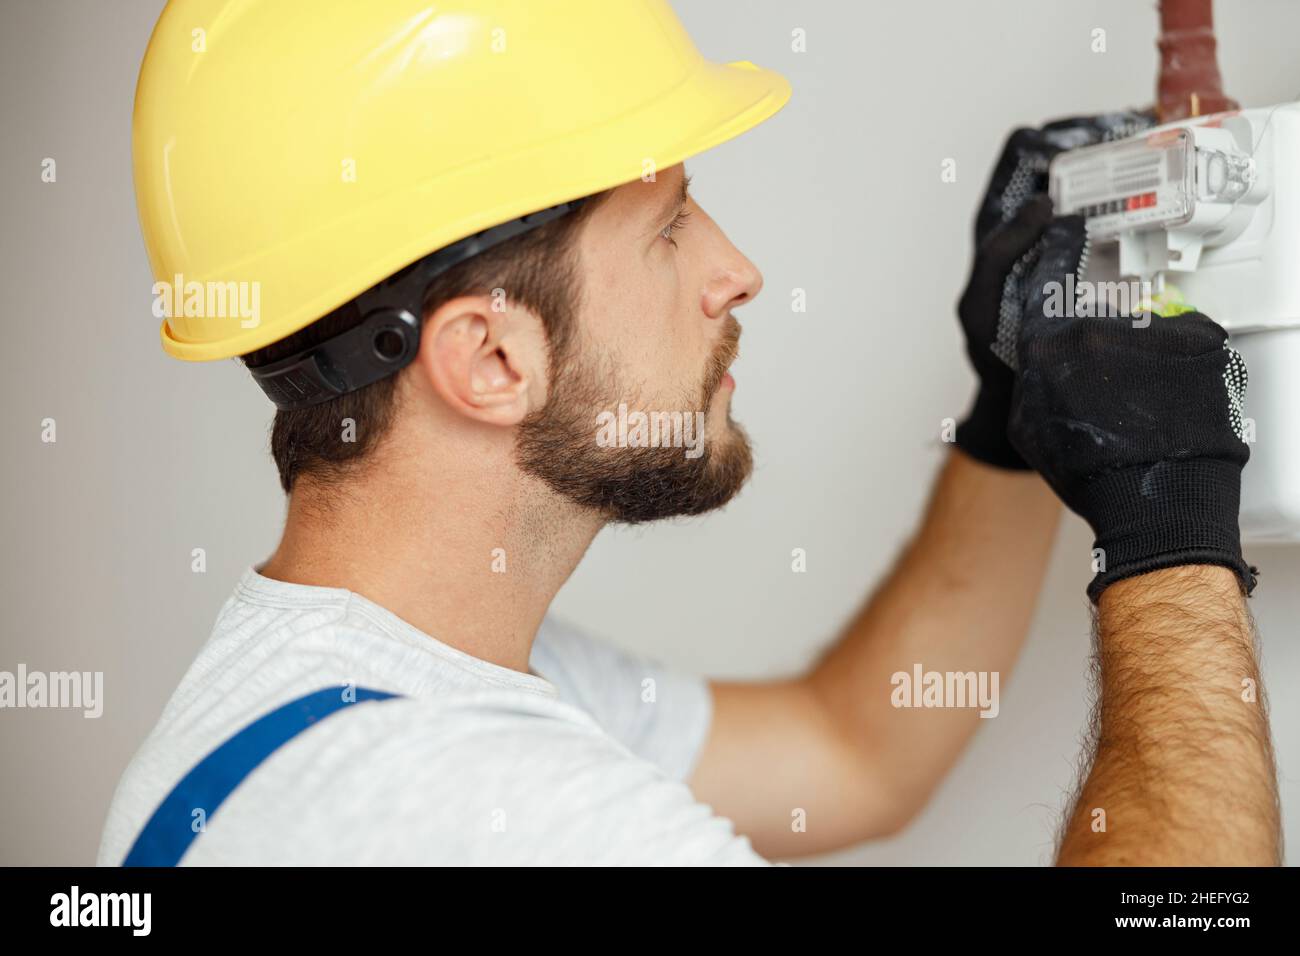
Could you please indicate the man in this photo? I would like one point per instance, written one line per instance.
(387, 687)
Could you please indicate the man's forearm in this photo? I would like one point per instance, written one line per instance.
(959, 600)
(1182, 771)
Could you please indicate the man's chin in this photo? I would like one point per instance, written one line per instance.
(677, 486)
(640, 485)
(703, 468)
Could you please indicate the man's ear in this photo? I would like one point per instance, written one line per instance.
(483, 363)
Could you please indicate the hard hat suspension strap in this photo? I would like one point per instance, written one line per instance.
(388, 337)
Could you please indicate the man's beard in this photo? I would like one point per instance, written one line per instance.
(558, 444)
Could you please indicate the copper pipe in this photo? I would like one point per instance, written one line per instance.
(1189, 83)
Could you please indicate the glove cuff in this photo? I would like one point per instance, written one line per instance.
(1165, 515)
(983, 433)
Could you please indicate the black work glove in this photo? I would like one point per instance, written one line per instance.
(1000, 269)
(1137, 428)
(1011, 217)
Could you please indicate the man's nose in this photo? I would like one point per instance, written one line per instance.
(735, 283)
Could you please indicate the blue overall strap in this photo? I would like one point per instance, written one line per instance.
(170, 830)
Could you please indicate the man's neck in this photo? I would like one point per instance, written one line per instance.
(473, 558)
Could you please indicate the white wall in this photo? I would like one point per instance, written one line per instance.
(840, 195)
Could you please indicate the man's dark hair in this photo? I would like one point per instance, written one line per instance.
(538, 270)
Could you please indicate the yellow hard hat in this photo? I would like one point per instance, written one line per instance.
(315, 148)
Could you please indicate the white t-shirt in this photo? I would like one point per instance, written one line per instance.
(478, 764)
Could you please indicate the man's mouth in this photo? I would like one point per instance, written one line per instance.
(727, 353)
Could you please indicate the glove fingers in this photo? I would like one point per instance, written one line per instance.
(1009, 241)
(1050, 290)
(1012, 306)
(1021, 169)
(1004, 247)
(1236, 378)
(1075, 131)
(1187, 333)
(995, 292)
(1020, 173)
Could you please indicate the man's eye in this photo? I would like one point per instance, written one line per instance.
(678, 222)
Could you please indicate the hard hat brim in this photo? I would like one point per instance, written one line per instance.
(715, 103)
